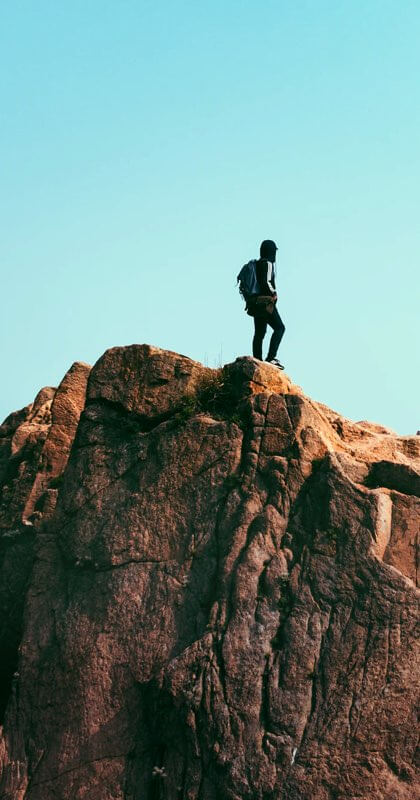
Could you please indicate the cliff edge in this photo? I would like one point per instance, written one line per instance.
(207, 590)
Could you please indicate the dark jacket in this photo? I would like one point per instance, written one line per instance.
(265, 271)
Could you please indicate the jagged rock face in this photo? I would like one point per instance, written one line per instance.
(220, 604)
(34, 449)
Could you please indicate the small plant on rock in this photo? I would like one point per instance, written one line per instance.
(159, 772)
(215, 393)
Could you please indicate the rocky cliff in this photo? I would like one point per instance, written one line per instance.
(207, 590)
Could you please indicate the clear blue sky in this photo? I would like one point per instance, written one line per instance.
(148, 146)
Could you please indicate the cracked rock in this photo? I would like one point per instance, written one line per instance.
(218, 603)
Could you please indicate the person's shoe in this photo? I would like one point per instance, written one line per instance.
(275, 362)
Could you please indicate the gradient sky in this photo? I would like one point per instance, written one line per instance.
(147, 147)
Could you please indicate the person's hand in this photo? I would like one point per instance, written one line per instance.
(275, 297)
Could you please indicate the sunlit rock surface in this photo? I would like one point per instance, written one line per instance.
(204, 600)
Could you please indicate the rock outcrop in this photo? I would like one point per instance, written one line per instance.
(207, 588)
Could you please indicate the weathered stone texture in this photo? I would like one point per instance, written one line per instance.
(220, 605)
(35, 445)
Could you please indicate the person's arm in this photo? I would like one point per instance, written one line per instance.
(265, 276)
(271, 279)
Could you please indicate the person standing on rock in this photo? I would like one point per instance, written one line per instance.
(258, 287)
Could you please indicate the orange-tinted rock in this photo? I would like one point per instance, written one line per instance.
(223, 604)
(22, 438)
(67, 405)
(35, 445)
(143, 379)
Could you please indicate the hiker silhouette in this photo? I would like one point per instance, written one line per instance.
(257, 285)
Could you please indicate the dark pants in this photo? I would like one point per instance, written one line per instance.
(261, 323)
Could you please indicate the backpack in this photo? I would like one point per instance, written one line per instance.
(247, 279)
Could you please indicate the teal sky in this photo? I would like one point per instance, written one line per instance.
(148, 147)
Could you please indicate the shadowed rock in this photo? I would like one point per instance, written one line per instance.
(35, 445)
(223, 601)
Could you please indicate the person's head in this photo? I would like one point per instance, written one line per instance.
(268, 250)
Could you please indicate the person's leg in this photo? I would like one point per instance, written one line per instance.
(276, 323)
(257, 342)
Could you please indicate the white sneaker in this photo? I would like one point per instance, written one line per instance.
(275, 362)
